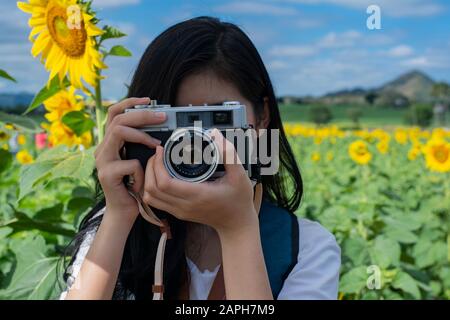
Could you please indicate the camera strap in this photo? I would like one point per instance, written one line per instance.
(148, 214)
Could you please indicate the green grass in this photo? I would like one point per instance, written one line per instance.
(371, 116)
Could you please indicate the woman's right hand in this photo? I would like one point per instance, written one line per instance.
(111, 169)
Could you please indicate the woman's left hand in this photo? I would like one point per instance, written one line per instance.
(225, 204)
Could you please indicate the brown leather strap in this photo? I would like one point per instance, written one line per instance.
(158, 288)
(217, 291)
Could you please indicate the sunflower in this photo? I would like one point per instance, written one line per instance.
(414, 152)
(66, 49)
(21, 139)
(61, 134)
(401, 136)
(359, 152)
(315, 157)
(383, 146)
(4, 136)
(61, 103)
(437, 155)
(57, 106)
(24, 157)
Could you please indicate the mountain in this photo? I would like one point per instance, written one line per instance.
(13, 100)
(413, 86)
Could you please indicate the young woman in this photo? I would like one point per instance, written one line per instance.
(213, 224)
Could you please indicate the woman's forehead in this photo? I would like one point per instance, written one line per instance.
(198, 89)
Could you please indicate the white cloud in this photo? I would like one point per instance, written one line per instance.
(400, 51)
(417, 62)
(397, 8)
(277, 65)
(255, 8)
(114, 3)
(336, 40)
(332, 40)
(289, 50)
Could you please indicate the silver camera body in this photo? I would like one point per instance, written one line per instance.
(181, 125)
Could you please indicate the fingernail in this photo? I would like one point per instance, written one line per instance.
(161, 115)
(156, 141)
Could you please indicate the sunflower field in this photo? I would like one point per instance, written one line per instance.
(383, 192)
(385, 195)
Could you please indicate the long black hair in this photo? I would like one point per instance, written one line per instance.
(192, 46)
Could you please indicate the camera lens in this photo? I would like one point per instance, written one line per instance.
(184, 155)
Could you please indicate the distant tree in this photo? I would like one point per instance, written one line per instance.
(320, 114)
(371, 97)
(420, 114)
(392, 99)
(441, 95)
(441, 92)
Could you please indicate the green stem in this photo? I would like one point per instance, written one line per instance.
(100, 111)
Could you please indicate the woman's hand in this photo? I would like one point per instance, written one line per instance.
(111, 169)
(225, 204)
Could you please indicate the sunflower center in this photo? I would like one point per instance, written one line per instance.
(441, 153)
(361, 150)
(72, 41)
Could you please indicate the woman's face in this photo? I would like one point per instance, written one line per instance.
(206, 87)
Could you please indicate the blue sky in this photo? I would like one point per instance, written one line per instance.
(310, 47)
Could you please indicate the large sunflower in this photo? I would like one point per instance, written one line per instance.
(437, 155)
(64, 50)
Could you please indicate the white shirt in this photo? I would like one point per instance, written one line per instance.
(314, 277)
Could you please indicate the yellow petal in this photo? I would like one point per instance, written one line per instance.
(25, 7)
(39, 45)
(36, 21)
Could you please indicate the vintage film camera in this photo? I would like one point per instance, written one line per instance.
(185, 134)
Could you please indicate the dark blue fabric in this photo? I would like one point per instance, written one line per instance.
(279, 239)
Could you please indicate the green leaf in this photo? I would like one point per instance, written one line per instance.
(34, 276)
(22, 122)
(385, 252)
(47, 92)
(406, 283)
(82, 192)
(5, 75)
(78, 121)
(120, 51)
(51, 214)
(427, 254)
(78, 207)
(4, 232)
(354, 281)
(22, 222)
(401, 235)
(57, 162)
(404, 221)
(5, 160)
(111, 33)
(356, 250)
